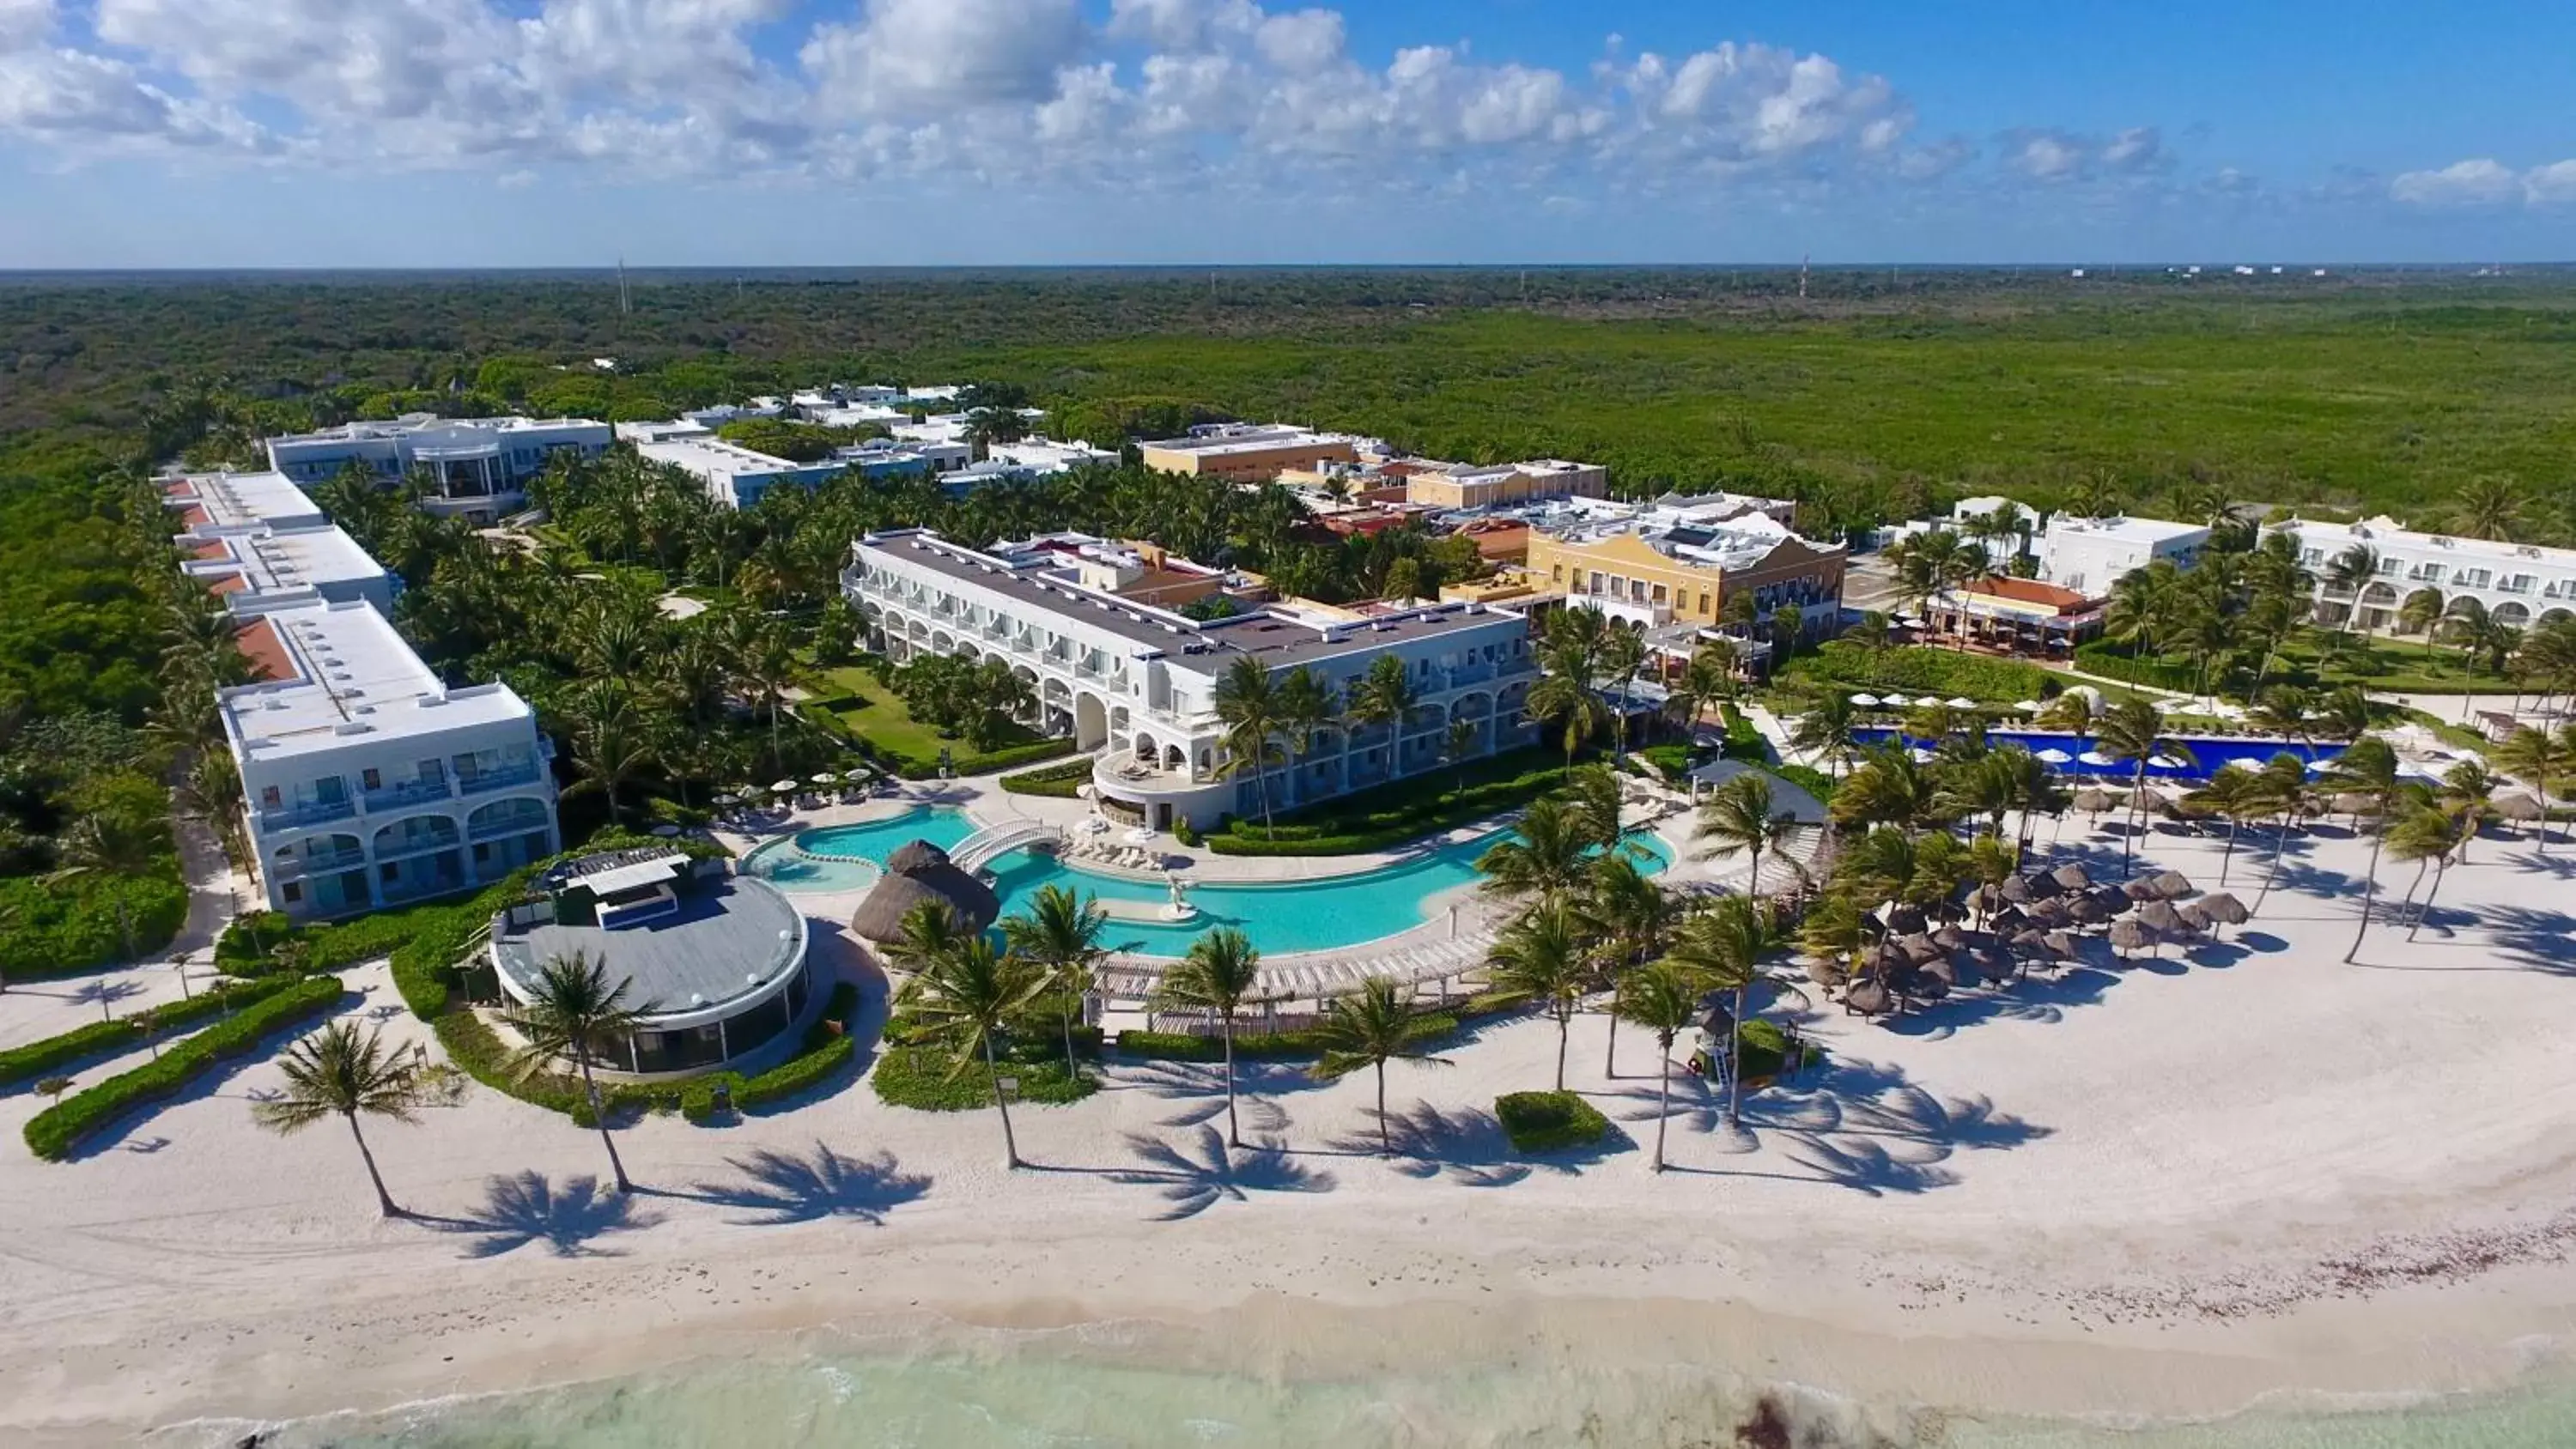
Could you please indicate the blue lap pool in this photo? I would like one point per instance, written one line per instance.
(1289, 916)
(2209, 754)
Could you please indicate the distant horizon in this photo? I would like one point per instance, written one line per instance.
(2212, 269)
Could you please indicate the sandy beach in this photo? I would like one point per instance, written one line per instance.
(2171, 1187)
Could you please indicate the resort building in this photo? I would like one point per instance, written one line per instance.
(1460, 486)
(1963, 518)
(258, 543)
(366, 780)
(1248, 453)
(880, 458)
(1663, 568)
(2017, 614)
(474, 468)
(2519, 583)
(733, 475)
(2089, 555)
(716, 963)
(1137, 682)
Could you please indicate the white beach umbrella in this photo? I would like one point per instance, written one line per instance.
(2097, 759)
(1865, 701)
(1921, 754)
(2026, 706)
(2054, 757)
(783, 787)
(2169, 762)
(1963, 704)
(826, 777)
(1895, 701)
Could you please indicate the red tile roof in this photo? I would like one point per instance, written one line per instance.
(266, 652)
(2029, 591)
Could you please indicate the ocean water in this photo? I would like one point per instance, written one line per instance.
(1027, 1399)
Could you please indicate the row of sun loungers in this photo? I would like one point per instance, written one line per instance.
(1101, 852)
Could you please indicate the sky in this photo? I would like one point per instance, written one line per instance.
(434, 133)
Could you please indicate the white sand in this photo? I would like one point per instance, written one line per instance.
(2171, 1188)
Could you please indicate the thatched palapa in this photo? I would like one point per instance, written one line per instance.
(920, 872)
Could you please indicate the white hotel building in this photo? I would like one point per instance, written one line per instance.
(366, 780)
(2089, 555)
(476, 468)
(2520, 584)
(1138, 683)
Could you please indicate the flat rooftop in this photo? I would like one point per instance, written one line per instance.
(234, 500)
(1245, 440)
(730, 937)
(711, 457)
(413, 423)
(2385, 530)
(1281, 642)
(1029, 585)
(350, 679)
(285, 560)
(2143, 530)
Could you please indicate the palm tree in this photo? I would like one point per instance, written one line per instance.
(1567, 698)
(2233, 795)
(2135, 730)
(1623, 653)
(1457, 747)
(108, 845)
(2540, 756)
(1592, 793)
(1060, 933)
(2421, 611)
(2283, 789)
(2368, 767)
(2468, 791)
(2488, 507)
(1369, 1030)
(1385, 695)
(967, 997)
(1664, 1000)
(2069, 713)
(2430, 836)
(1306, 705)
(1546, 953)
(2350, 572)
(1248, 703)
(1629, 914)
(1824, 731)
(1547, 856)
(1722, 947)
(337, 1072)
(573, 1010)
(1219, 973)
(1738, 819)
(612, 741)
(930, 930)
(1709, 678)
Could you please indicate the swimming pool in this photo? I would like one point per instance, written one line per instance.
(1281, 918)
(2209, 753)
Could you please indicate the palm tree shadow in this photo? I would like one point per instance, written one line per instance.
(1201, 1085)
(1468, 1147)
(1201, 1171)
(1855, 1124)
(522, 1208)
(781, 1188)
(104, 993)
(2535, 937)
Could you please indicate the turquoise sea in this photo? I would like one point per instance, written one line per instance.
(1036, 1399)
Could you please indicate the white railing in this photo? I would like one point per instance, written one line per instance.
(994, 841)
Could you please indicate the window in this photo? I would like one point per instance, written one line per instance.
(291, 892)
(389, 873)
(369, 778)
(268, 797)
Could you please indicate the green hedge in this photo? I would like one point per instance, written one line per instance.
(1549, 1121)
(36, 1058)
(54, 1132)
(923, 1078)
(1808, 778)
(1395, 814)
(1304, 1044)
(1673, 760)
(1920, 669)
(1055, 782)
(1744, 740)
(962, 763)
(64, 930)
(1763, 1047)
(828, 1048)
(2114, 662)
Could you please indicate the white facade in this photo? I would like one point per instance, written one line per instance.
(367, 781)
(2520, 584)
(2089, 555)
(1138, 684)
(477, 467)
(734, 475)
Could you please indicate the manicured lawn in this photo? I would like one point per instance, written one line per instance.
(870, 710)
(2397, 666)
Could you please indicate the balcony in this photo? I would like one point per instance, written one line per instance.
(408, 793)
(316, 812)
(421, 888)
(1467, 674)
(297, 867)
(505, 778)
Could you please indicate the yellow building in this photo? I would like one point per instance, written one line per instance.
(1460, 486)
(1666, 576)
(1244, 453)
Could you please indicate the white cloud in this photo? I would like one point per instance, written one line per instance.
(922, 60)
(2481, 182)
(2136, 150)
(24, 22)
(2551, 185)
(2047, 156)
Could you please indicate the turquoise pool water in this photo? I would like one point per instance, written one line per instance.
(1290, 916)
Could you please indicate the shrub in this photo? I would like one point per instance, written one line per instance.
(66, 929)
(1763, 1048)
(1673, 760)
(55, 1131)
(37, 1058)
(243, 949)
(1919, 669)
(2113, 661)
(1549, 1121)
(925, 1079)
(1744, 740)
(962, 763)
(1186, 833)
(1405, 810)
(1304, 1044)
(1056, 782)
(1808, 778)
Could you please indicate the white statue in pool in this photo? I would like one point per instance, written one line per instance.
(1179, 909)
